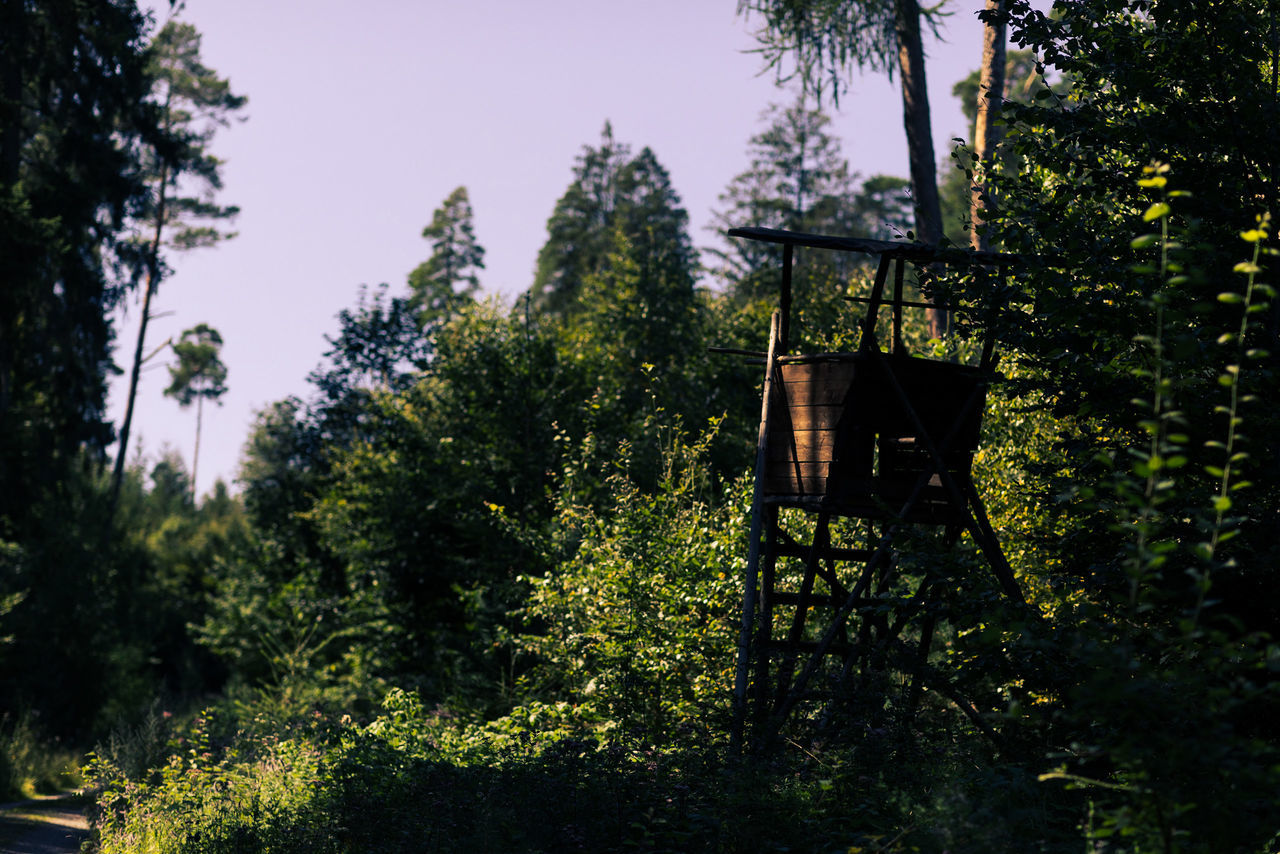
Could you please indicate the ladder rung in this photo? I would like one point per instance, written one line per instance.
(785, 598)
(840, 648)
(830, 553)
(836, 647)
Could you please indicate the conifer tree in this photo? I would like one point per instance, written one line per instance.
(639, 304)
(580, 230)
(448, 279)
(71, 85)
(199, 375)
(193, 103)
(798, 179)
(826, 39)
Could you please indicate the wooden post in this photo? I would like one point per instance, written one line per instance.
(784, 301)
(897, 308)
(873, 309)
(751, 579)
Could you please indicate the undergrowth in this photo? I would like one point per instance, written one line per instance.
(414, 780)
(32, 765)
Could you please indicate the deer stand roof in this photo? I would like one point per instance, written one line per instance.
(854, 450)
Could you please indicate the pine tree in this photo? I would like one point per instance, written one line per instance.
(639, 304)
(449, 279)
(199, 375)
(799, 179)
(71, 85)
(193, 103)
(580, 230)
(826, 39)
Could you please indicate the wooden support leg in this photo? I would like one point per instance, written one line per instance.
(821, 542)
(927, 626)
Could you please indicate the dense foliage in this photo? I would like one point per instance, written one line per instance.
(480, 587)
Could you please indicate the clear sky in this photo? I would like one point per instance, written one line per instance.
(364, 116)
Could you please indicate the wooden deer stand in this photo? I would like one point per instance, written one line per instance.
(885, 439)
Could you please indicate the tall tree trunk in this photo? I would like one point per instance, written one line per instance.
(919, 127)
(195, 455)
(153, 282)
(12, 37)
(987, 133)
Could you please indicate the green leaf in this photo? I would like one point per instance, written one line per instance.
(1230, 297)
(1146, 241)
(1222, 504)
(1157, 211)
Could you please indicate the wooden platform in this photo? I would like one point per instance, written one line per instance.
(850, 433)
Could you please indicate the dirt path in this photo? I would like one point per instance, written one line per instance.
(52, 825)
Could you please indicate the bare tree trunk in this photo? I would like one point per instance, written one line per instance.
(919, 127)
(12, 35)
(987, 133)
(153, 281)
(195, 454)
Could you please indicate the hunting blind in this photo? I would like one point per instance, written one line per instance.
(853, 449)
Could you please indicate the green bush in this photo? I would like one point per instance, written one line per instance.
(32, 765)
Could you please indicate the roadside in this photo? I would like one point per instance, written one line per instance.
(48, 825)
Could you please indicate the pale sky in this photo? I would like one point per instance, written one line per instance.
(364, 116)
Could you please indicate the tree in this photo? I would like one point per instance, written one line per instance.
(615, 199)
(616, 280)
(377, 346)
(799, 179)
(193, 102)
(72, 84)
(428, 518)
(1022, 84)
(198, 376)
(288, 459)
(987, 130)
(580, 228)
(72, 119)
(176, 546)
(826, 39)
(447, 280)
(1143, 327)
(638, 307)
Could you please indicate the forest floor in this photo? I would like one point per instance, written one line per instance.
(49, 825)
